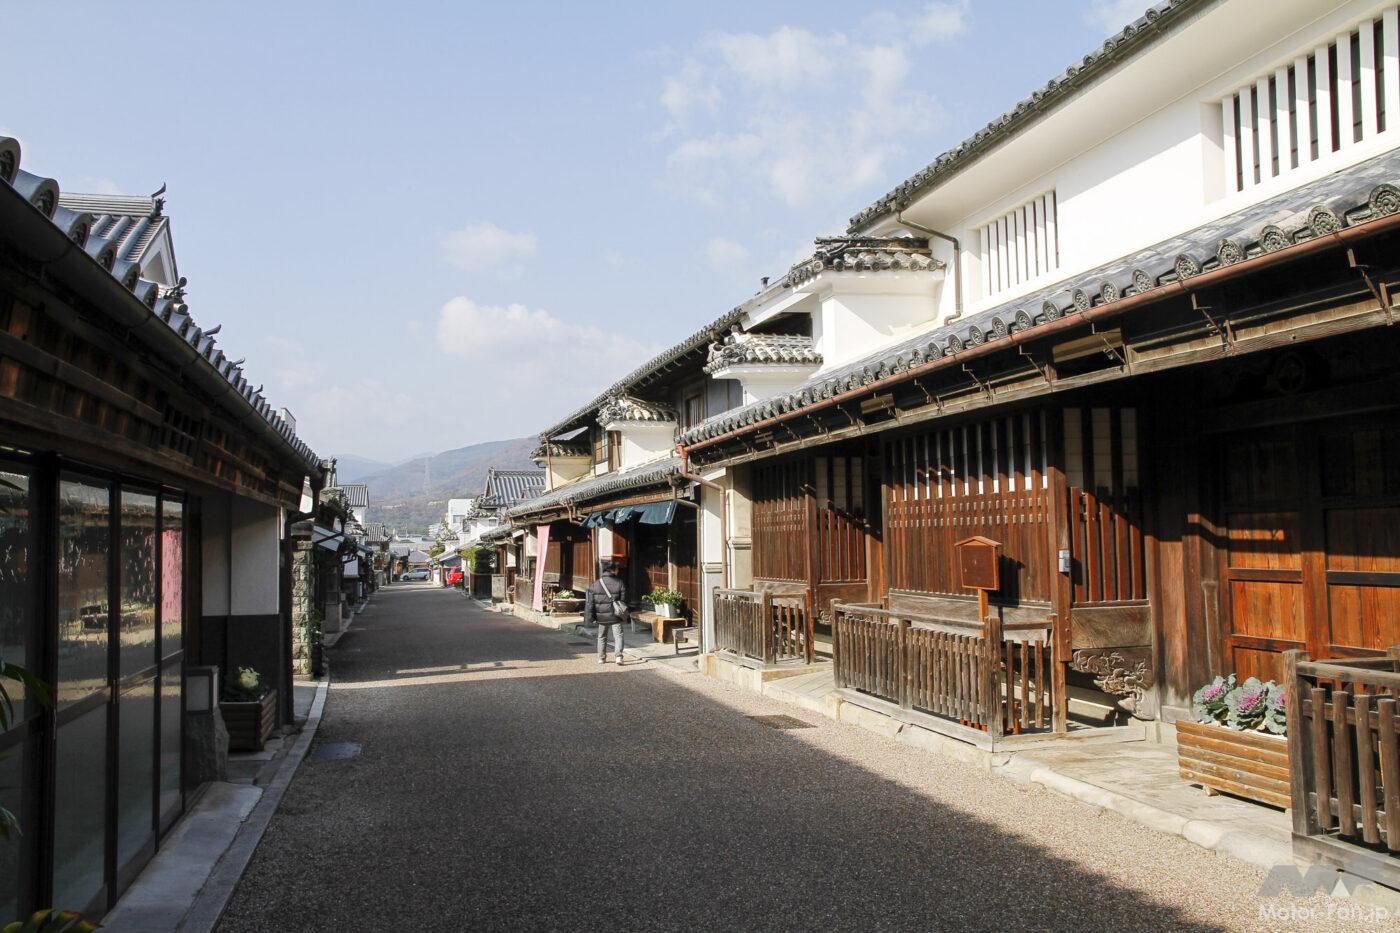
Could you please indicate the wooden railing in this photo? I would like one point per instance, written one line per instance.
(994, 677)
(762, 626)
(1344, 760)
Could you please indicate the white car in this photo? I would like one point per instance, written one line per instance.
(414, 575)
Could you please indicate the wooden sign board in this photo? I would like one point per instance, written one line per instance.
(979, 564)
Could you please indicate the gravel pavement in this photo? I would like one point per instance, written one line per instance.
(508, 781)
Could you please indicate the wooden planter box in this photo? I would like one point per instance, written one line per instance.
(1247, 764)
(250, 724)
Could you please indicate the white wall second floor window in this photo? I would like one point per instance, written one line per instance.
(1324, 101)
(1020, 246)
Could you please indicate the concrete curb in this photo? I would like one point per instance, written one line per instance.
(209, 905)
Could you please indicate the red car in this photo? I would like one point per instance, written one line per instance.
(454, 577)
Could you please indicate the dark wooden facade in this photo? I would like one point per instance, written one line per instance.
(1212, 483)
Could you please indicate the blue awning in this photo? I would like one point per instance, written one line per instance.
(657, 513)
(654, 513)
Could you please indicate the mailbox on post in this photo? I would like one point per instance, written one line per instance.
(979, 568)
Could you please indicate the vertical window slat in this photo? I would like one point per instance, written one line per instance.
(1344, 108)
(1229, 144)
(1322, 103)
(1370, 113)
(1390, 67)
(1283, 101)
(1246, 105)
(1302, 110)
(1264, 129)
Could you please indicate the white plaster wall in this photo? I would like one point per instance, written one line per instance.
(256, 558)
(854, 324)
(561, 470)
(1136, 158)
(644, 442)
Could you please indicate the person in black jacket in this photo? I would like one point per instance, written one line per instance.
(598, 608)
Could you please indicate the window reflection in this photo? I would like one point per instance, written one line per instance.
(83, 606)
(16, 578)
(172, 567)
(138, 581)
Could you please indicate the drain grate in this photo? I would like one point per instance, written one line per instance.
(334, 751)
(782, 722)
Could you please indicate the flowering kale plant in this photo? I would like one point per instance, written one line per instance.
(1208, 704)
(1252, 706)
(1276, 716)
(1248, 703)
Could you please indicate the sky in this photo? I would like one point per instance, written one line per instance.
(430, 224)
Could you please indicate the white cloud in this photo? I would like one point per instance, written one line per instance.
(797, 115)
(724, 253)
(1110, 16)
(483, 245)
(535, 360)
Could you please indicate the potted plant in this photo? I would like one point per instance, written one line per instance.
(249, 706)
(566, 601)
(1237, 744)
(665, 603)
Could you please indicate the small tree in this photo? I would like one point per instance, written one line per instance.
(437, 548)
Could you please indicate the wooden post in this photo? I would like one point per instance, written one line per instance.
(996, 723)
(766, 626)
(809, 624)
(904, 700)
(1062, 591)
(1300, 764)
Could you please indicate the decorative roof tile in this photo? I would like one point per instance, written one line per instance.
(1345, 198)
(739, 348)
(631, 408)
(547, 449)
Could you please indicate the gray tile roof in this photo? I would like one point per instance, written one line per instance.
(594, 487)
(1135, 38)
(629, 408)
(505, 488)
(1345, 198)
(165, 303)
(740, 348)
(356, 494)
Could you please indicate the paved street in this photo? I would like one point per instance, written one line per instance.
(509, 781)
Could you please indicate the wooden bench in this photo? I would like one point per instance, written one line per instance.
(690, 634)
(660, 624)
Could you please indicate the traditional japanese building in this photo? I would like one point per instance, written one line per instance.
(145, 489)
(1147, 354)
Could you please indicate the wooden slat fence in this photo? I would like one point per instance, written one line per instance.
(1105, 543)
(993, 677)
(762, 626)
(1344, 759)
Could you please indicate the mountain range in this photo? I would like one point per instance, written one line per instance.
(410, 495)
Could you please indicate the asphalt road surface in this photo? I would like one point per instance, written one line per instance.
(506, 780)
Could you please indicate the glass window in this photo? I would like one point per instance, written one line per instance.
(83, 518)
(14, 765)
(171, 704)
(138, 569)
(16, 578)
(80, 797)
(136, 764)
(172, 576)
